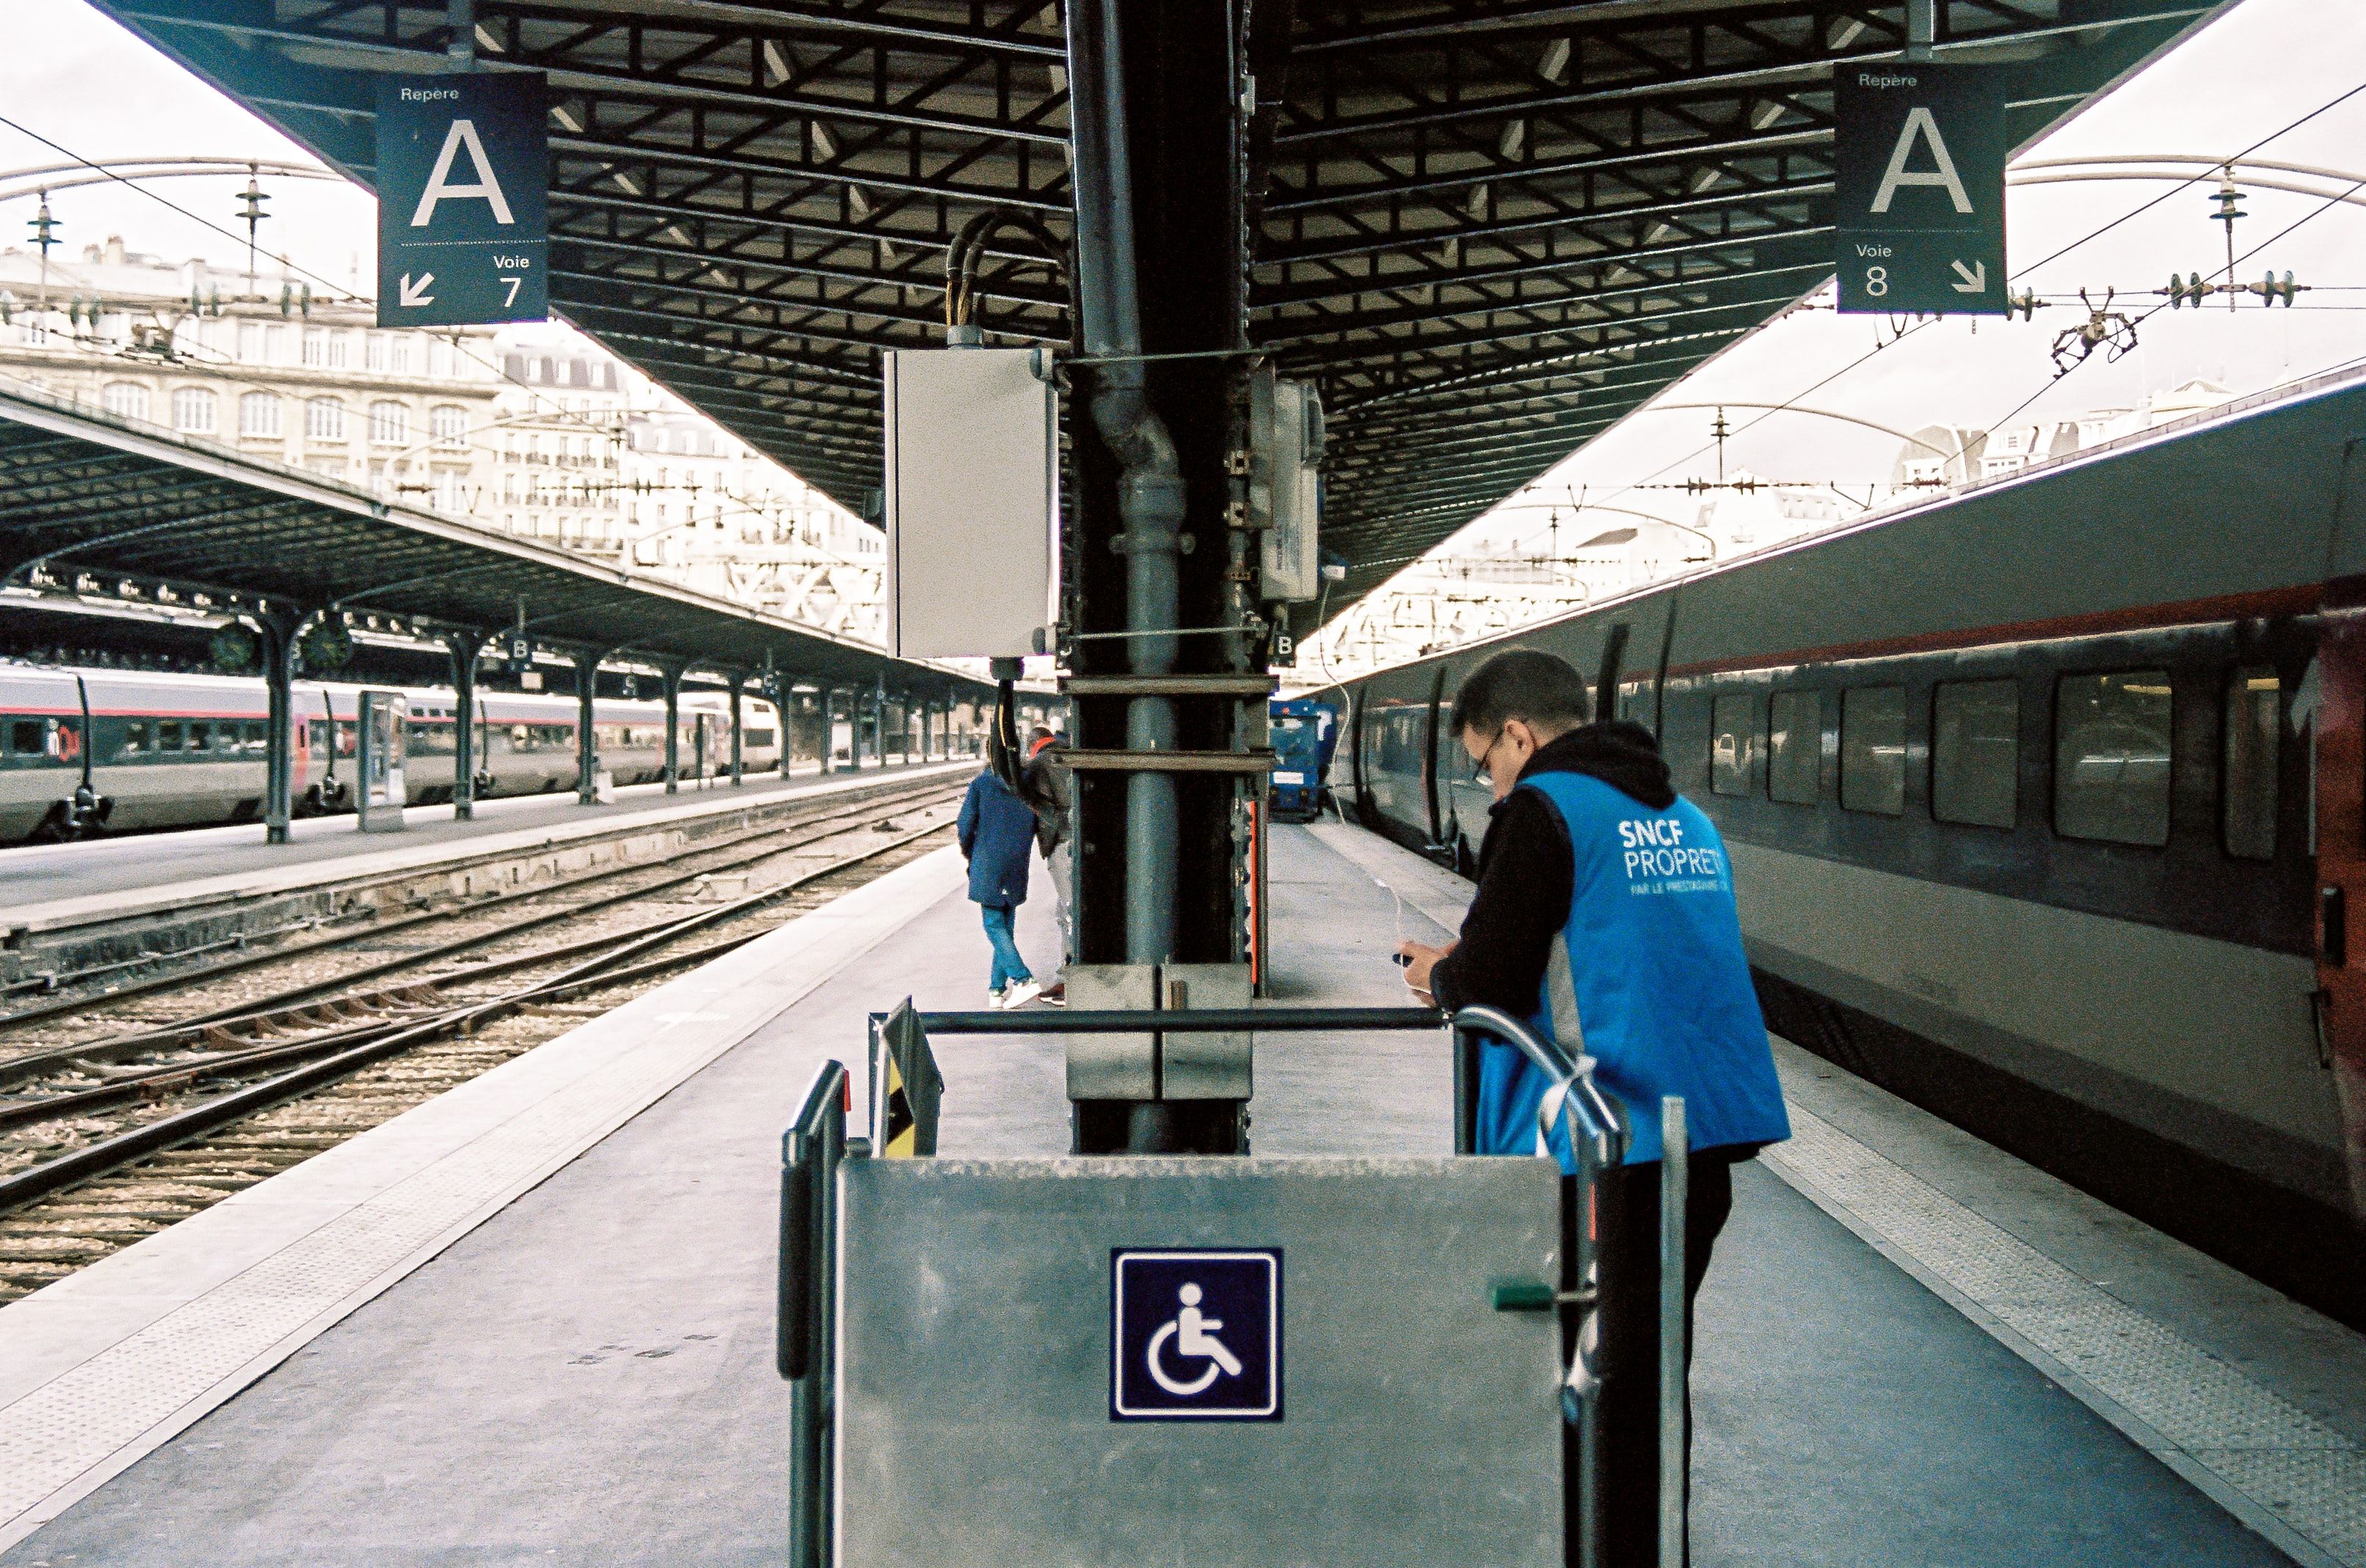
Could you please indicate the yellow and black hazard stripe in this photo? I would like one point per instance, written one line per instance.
(901, 1136)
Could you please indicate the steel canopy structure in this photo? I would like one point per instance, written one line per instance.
(1487, 229)
(87, 495)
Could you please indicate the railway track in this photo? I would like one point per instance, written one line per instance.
(124, 1110)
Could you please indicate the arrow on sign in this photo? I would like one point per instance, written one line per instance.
(416, 293)
(1975, 276)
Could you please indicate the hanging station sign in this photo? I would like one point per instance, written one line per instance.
(463, 188)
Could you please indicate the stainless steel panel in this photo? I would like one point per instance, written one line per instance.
(1420, 1426)
(1111, 1066)
(1206, 1066)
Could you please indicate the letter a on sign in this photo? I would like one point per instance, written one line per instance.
(462, 138)
(463, 200)
(1919, 124)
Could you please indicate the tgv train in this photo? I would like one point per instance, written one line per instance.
(161, 751)
(2046, 802)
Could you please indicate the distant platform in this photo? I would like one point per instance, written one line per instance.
(45, 885)
(531, 1321)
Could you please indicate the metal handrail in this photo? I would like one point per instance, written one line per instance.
(1177, 1020)
(810, 1152)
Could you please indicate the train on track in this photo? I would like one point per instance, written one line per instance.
(2044, 802)
(166, 750)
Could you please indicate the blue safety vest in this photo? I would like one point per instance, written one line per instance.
(1662, 1001)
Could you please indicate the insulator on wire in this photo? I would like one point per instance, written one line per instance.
(2025, 302)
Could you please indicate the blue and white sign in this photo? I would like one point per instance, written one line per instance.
(1195, 1336)
(463, 198)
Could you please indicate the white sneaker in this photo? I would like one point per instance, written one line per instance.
(994, 997)
(1019, 994)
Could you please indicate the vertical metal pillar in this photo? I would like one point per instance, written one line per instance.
(828, 725)
(854, 729)
(1675, 1404)
(672, 674)
(463, 647)
(277, 635)
(587, 744)
(1922, 28)
(737, 681)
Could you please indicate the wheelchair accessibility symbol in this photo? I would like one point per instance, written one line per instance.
(1195, 1336)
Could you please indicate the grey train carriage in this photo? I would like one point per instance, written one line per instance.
(149, 750)
(2044, 802)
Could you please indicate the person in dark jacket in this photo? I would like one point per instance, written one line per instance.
(1604, 917)
(1043, 785)
(997, 828)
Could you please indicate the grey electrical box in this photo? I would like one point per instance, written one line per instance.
(1285, 484)
(973, 501)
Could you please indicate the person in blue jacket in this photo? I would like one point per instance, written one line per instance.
(1604, 917)
(997, 830)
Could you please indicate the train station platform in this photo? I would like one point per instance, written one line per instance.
(532, 1321)
(44, 887)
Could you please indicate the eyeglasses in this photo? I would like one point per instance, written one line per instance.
(1479, 774)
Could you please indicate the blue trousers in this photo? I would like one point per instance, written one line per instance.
(1008, 967)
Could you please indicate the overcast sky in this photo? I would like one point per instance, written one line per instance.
(77, 79)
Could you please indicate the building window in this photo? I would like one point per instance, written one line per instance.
(390, 424)
(448, 423)
(193, 410)
(324, 419)
(275, 345)
(125, 399)
(336, 351)
(2254, 729)
(2112, 757)
(439, 357)
(1873, 749)
(374, 352)
(250, 342)
(258, 415)
(399, 353)
(316, 346)
(1976, 751)
(1795, 747)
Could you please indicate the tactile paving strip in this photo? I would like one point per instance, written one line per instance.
(2287, 1466)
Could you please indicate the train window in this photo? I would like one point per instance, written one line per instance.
(319, 742)
(757, 737)
(1975, 752)
(1734, 742)
(135, 737)
(24, 737)
(201, 735)
(2254, 726)
(1873, 749)
(256, 741)
(1795, 743)
(2112, 757)
(168, 735)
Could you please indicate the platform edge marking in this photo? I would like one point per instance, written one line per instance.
(1878, 1199)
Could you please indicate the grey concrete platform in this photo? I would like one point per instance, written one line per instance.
(44, 886)
(583, 1374)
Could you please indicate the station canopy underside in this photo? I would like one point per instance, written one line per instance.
(96, 507)
(1486, 229)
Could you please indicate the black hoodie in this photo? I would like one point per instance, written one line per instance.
(1527, 870)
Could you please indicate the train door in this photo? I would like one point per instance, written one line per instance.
(2336, 714)
(1429, 739)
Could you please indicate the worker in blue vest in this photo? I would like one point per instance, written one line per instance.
(1604, 917)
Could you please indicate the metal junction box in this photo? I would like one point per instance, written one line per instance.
(1285, 485)
(1116, 1363)
(972, 502)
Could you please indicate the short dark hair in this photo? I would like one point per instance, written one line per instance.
(1544, 689)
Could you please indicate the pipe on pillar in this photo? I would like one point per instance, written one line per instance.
(587, 742)
(277, 635)
(1150, 477)
(737, 680)
(464, 647)
(1922, 28)
(672, 674)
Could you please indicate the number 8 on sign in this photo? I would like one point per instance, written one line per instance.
(1876, 281)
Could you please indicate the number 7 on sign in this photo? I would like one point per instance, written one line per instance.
(512, 279)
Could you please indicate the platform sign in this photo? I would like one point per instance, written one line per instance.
(1195, 1336)
(1919, 182)
(463, 190)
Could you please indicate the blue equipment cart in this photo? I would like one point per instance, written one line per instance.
(1305, 732)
